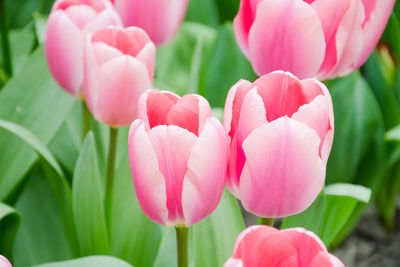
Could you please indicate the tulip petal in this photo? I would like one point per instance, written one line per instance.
(377, 16)
(80, 15)
(147, 178)
(121, 81)
(308, 245)
(107, 17)
(265, 246)
(148, 56)
(233, 263)
(173, 146)
(154, 105)
(293, 41)
(64, 52)
(275, 89)
(283, 173)
(205, 178)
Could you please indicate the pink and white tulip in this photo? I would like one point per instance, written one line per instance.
(69, 23)
(178, 156)
(310, 38)
(281, 131)
(259, 246)
(159, 18)
(119, 67)
(4, 262)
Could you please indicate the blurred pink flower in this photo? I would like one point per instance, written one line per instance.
(281, 131)
(178, 157)
(159, 18)
(4, 262)
(259, 246)
(68, 24)
(119, 66)
(310, 38)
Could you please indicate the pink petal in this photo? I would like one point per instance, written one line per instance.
(331, 14)
(243, 22)
(275, 89)
(377, 16)
(308, 245)
(148, 56)
(104, 53)
(173, 145)
(115, 92)
(160, 19)
(108, 17)
(349, 41)
(64, 52)
(154, 106)
(97, 5)
(283, 173)
(148, 180)
(326, 260)
(292, 41)
(4, 262)
(233, 263)
(205, 178)
(265, 246)
(80, 15)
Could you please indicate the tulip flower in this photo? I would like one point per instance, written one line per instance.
(310, 38)
(69, 23)
(281, 131)
(119, 66)
(159, 18)
(178, 158)
(259, 246)
(4, 262)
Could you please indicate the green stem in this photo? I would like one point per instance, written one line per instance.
(182, 245)
(110, 174)
(266, 221)
(85, 119)
(5, 42)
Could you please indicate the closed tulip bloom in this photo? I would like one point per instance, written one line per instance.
(281, 131)
(259, 246)
(178, 156)
(69, 23)
(159, 18)
(119, 66)
(310, 38)
(4, 262)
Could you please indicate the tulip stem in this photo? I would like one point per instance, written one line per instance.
(182, 245)
(266, 221)
(85, 119)
(5, 42)
(110, 175)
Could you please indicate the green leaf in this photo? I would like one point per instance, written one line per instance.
(393, 135)
(42, 236)
(334, 214)
(20, 12)
(203, 11)
(134, 237)
(179, 62)
(92, 261)
(40, 107)
(34, 142)
(213, 238)
(9, 222)
(88, 202)
(357, 154)
(40, 26)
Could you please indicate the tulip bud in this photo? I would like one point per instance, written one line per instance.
(281, 131)
(69, 23)
(321, 38)
(159, 18)
(259, 246)
(4, 262)
(178, 156)
(119, 66)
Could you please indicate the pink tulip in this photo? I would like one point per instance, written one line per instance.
(119, 66)
(259, 246)
(68, 24)
(159, 18)
(4, 262)
(178, 156)
(310, 38)
(281, 131)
